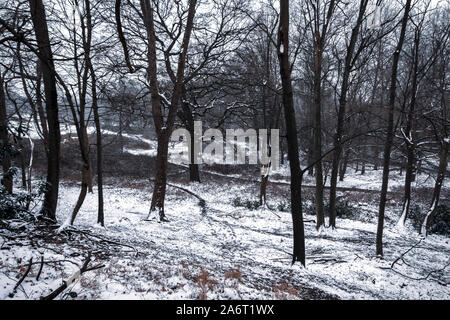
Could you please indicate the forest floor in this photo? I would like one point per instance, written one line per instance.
(217, 246)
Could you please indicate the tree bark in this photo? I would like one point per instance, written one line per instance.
(82, 195)
(85, 172)
(320, 218)
(263, 190)
(390, 131)
(101, 213)
(319, 30)
(40, 108)
(159, 189)
(79, 113)
(341, 112)
(5, 150)
(344, 165)
(51, 97)
(23, 168)
(291, 129)
(409, 136)
(188, 119)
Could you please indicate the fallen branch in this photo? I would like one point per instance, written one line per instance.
(40, 268)
(428, 275)
(13, 293)
(88, 234)
(405, 253)
(53, 262)
(72, 279)
(326, 260)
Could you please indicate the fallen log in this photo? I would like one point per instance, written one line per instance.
(72, 279)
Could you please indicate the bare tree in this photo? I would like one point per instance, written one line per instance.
(163, 126)
(320, 21)
(79, 111)
(422, 59)
(291, 129)
(390, 129)
(349, 64)
(39, 19)
(440, 123)
(95, 108)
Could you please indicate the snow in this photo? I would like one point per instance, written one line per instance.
(220, 251)
(339, 262)
(402, 220)
(425, 222)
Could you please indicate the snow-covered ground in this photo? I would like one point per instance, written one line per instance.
(212, 249)
(224, 252)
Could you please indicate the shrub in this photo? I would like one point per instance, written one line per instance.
(234, 274)
(17, 205)
(345, 210)
(440, 223)
(284, 206)
(12, 205)
(205, 283)
(309, 206)
(246, 203)
(285, 291)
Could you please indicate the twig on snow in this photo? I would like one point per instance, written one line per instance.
(13, 293)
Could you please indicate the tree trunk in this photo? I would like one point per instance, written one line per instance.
(409, 137)
(337, 143)
(264, 182)
(159, 189)
(265, 173)
(390, 132)
(376, 158)
(30, 171)
(363, 161)
(40, 108)
(344, 165)
(164, 128)
(83, 192)
(23, 168)
(188, 119)
(319, 36)
(320, 219)
(85, 172)
(90, 70)
(54, 136)
(194, 171)
(437, 188)
(5, 150)
(101, 214)
(291, 129)
(310, 155)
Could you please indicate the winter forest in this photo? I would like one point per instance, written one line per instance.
(313, 137)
